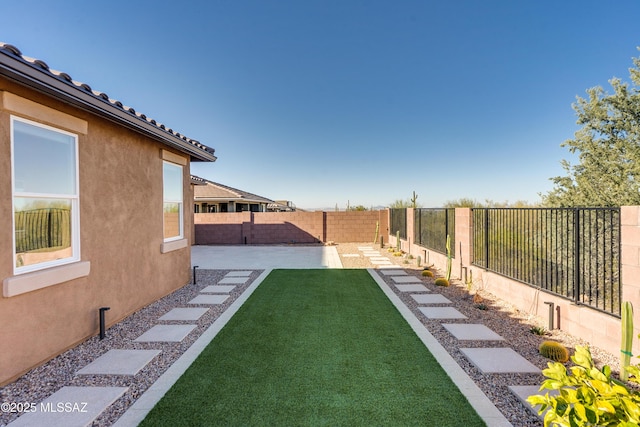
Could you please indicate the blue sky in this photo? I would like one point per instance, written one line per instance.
(331, 102)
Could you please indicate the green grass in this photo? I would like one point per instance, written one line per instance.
(315, 347)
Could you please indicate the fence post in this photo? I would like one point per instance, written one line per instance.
(576, 255)
(486, 238)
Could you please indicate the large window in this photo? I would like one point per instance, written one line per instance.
(173, 201)
(45, 196)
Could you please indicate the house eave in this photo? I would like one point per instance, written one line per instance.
(20, 71)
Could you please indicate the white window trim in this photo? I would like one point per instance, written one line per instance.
(75, 204)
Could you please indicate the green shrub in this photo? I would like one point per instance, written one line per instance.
(587, 396)
(554, 351)
(427, 273)
(441, 281)
(538, 330)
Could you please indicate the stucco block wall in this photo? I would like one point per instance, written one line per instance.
(288, 227)
(597, 328)
(121, 233)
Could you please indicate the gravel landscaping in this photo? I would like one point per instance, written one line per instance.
(512, 324)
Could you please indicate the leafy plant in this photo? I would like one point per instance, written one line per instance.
(538, 330)
(555, 351)
(482, 306)
(587, 396)
(441, 281)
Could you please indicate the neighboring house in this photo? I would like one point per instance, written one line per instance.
(94, 211)
(212, 197)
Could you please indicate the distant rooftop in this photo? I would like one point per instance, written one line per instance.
(37, 75)
(210, 190)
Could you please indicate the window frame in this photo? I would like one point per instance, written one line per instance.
(180, 202)
(74, 200)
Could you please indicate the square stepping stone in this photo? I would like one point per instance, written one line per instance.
(373, 255)
(394, 273)
(119, 362)
(407, 279)
(390, 265)
(387, 262)
(522, 392)
(233, 281)
(498, 360)
(209, 299)
(218, 289)
(193, 313)
(87, 403)
(166, 333)
(412, 288)
(441, 313)
(240, 273)
(467, 331)
(365, 248)
(379, 258)
(351, 255)
(71, 406)
(431, 299)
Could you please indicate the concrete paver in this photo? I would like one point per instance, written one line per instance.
(499, 360)
(218, 289)
(431, 299)
(233, 281)
(522, 392)
(166, 333)
(70, 407)
(412, 288)
(394, 272)
(119, 362)
(241, 273)
(407, 279)
(472, 331)
(182, 313)
(209, 299)
(441, 313)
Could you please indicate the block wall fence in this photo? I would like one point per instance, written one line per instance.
(597, 328)
(268, 228)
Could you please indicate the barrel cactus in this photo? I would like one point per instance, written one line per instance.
(555, 351)
(441, 281)
(427, 273)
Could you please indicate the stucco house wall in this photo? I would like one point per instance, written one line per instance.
(124, 262)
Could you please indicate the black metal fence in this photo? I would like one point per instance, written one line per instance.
(398, 222)
(574, 253)
(42, 228)
(431, 227)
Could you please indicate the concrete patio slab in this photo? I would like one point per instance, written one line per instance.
(241, 273)
(395, 273)
(80, 406)
(181, 313)
(209, 299)
(218, 289)
(246, 257)
(498, 360)
(412, 288)
(166, 333)
(233, 281)
(119, 362)
(441, 313)
(472, 331)
(408, 279)
(431, 299)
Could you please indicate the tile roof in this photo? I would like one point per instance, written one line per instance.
(36, 74)
(214, 190)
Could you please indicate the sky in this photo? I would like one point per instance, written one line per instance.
(331, 103)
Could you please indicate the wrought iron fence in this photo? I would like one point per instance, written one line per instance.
(574, 253)
(431, 227)
(399, 222)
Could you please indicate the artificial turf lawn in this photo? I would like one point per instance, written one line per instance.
(315, 347)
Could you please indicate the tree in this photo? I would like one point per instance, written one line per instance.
(608, 148)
